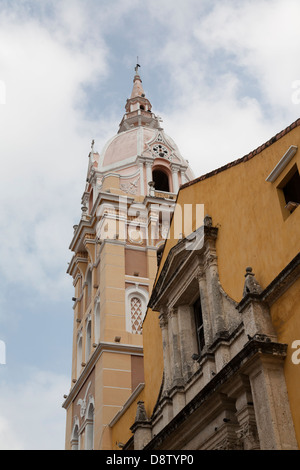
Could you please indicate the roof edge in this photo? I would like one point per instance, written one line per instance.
(246, 157)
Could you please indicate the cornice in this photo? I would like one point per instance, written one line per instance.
(109, 197)
(178, 257)
(101, 348)
(283, 162)
(277, 287)
(245, 158)
(85, 226)
(251, 352)
(127, 404)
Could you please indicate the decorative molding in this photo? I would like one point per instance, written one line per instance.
(127, 404)
(163, 320)
(102, 347)
(159, 150)
(130, 187)
(253, 350)
(251, 285)
(135, 236)
(82, 402)
(277, 287)
(282, 164)
(178, 257)
(143, 296)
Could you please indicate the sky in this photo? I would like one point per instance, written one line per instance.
(224, 76)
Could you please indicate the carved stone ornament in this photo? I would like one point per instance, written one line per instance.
(131, 187)
(135, 236)
(141, 414)
(164, 230)
(160, 150)
(251, 285)
(207, 221)
(83, 402)
(248, 436)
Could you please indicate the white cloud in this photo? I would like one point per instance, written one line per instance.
(224, 70)
(44, 143)
(32, 417)
(263, 37)
(8, 438)
(230, 69)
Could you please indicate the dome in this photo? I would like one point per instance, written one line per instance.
(140, 156)
(126, 147)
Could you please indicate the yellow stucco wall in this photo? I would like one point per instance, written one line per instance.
(254, 230)
(285, 315)
(247, 211)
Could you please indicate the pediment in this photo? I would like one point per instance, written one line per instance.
(159, 137)
(180, 256)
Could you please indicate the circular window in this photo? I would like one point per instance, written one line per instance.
(160, 150)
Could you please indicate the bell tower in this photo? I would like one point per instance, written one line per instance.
(129, 196)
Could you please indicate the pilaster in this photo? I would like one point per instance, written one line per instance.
(271, 404)
(141, 427)
(175, 357)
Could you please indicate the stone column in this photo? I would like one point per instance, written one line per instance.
(247, 436)
(141, 168)
(148, 172)
(201, 278)
(271, 404)
(187, 339)
(175, 358)
(163, 322)
(213, 288)
(183, 178)
(175, 178)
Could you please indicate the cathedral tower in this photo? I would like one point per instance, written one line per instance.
(130, 193)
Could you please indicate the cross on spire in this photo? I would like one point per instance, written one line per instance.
(137, 65)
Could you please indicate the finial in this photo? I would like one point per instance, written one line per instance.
(208, 221)
(141, 414)
(92, 149)
(137, 66)
(251, 285)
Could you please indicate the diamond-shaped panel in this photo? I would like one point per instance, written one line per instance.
(136, 315)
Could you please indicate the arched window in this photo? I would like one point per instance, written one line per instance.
(89, 427)
(161, 181)
(89, 286)
(75, 440)
(97, 319)
(88, 339)
(136, 313)
(79, 353)
(199, 324)
(136, 305)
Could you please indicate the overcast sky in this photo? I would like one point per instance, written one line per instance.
(224, 76)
